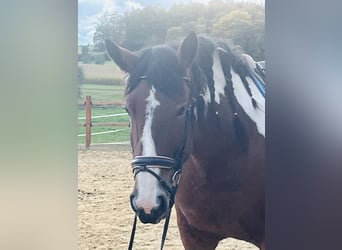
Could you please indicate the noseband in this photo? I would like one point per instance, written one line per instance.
(146, 163)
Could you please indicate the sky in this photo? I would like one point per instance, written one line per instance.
(90, 10)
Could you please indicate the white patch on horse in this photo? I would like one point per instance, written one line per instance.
(195, 113)
(206, 98)
(256, 114)
(249, 61)
(218, 75)
(148, 185)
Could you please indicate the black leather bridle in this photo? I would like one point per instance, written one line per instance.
(146, 163)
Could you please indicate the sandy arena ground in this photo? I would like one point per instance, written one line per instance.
(104, 214)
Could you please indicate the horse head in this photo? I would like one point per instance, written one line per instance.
(159, 102)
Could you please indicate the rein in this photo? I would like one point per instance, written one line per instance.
(139, 164)
(166, 226)
(146, 163)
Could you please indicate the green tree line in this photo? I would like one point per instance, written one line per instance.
(243, 23)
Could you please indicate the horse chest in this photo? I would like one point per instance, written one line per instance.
(210, 205)
(212, 212)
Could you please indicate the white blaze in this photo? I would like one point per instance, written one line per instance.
(147, 185)
(149, 148)
(242, 96)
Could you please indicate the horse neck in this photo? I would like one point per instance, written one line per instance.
(214, 130)
(230, 109)
(221, 126)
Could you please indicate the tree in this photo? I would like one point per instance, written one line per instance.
(174, 33)
(186, 14)
(85, 57)
(110, 25)
(241, 22)
(145, 27)
(239, 26)
(80, 78)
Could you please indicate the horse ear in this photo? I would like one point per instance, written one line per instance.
(188, 50)
(124, 58)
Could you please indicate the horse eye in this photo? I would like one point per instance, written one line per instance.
(181, 111)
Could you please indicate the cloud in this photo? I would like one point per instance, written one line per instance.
(88, 13)
(131, 5)
(109, 6)
(87, 18)
(86, 29)
(88, 1)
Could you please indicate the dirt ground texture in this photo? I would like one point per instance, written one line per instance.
(104, 214)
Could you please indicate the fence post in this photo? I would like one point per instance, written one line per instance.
(88, 121)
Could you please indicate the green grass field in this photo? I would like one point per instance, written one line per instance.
(103, 92)
(120, 134)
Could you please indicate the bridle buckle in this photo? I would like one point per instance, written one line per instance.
(176, 178)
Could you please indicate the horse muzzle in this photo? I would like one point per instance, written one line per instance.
(153, 215)
(153, 209)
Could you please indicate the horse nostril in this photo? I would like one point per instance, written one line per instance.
(132, 201)
(162, 203)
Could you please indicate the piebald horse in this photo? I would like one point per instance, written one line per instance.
(197, 130)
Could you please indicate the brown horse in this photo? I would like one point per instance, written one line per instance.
(197, 118)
